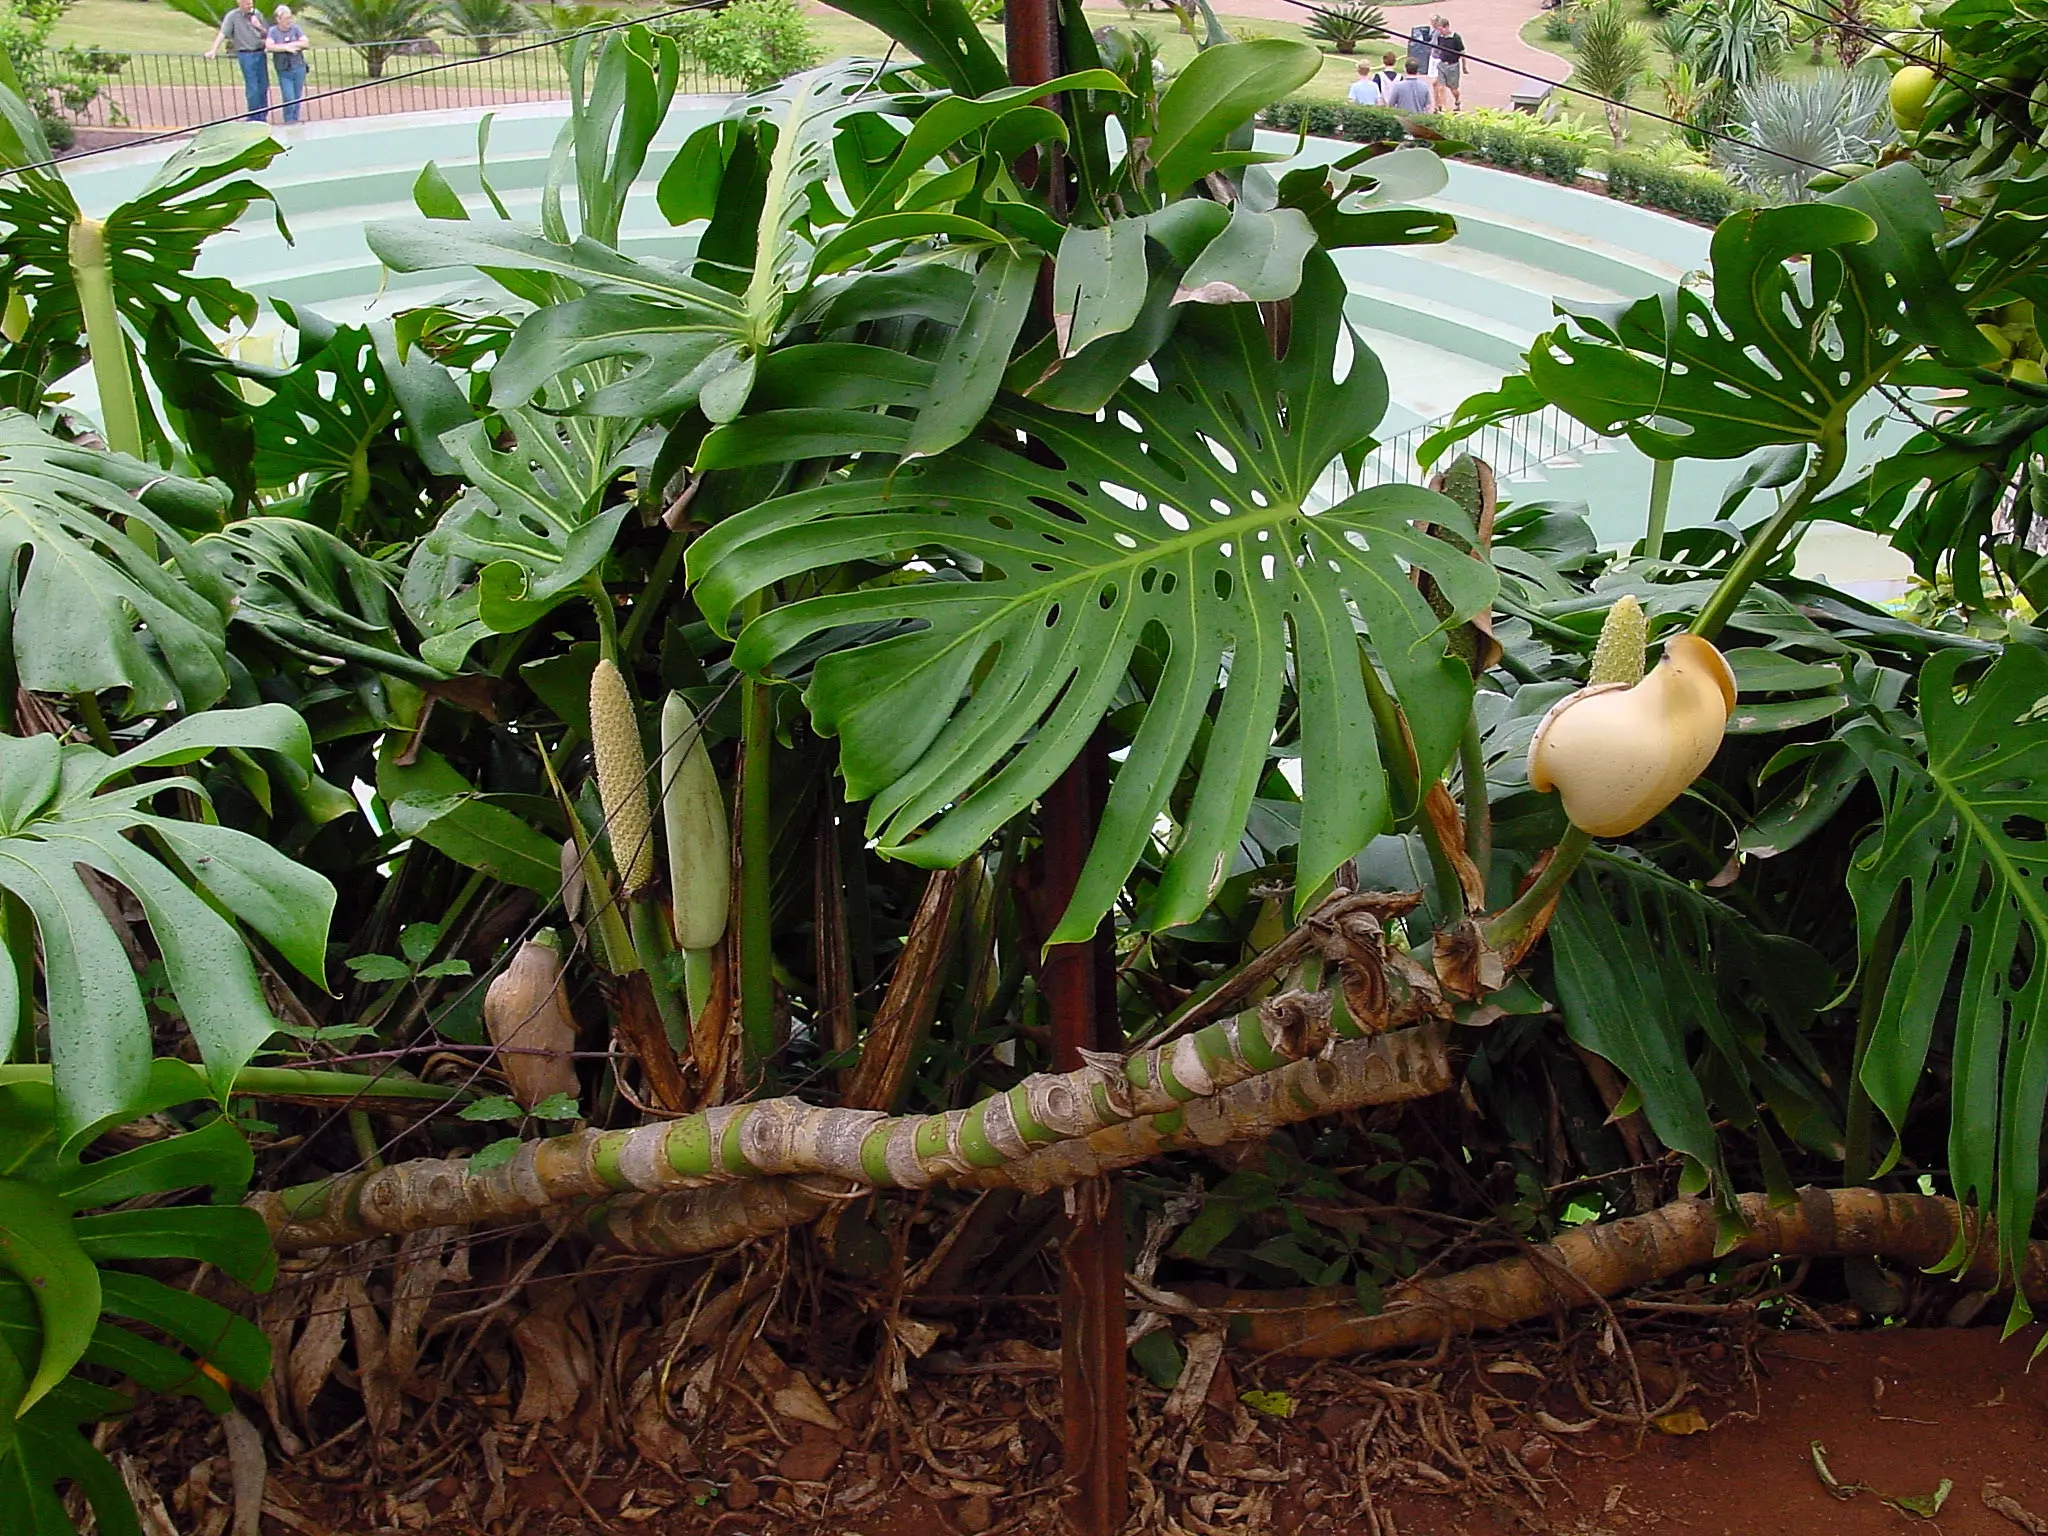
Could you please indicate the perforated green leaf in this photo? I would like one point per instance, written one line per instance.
(1809, 305)
(99, 1033)
(1180, 520)
(1963, 844)
(94, 610)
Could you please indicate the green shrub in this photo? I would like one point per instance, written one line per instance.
(756, 42)
(1557, 24)
(1534, 150)
(1700, 195)
(1510, 140)
(1337, 120)
(56, 82)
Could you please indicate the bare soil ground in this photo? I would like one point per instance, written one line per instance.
(1518, 1437)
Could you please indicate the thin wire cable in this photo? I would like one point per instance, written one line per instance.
(1578, 90)
(1871, 34)
(533, 926)
(594, 30)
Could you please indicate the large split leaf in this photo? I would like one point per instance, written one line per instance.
(1674, 988)
(666, 333)
(153, 241)
(66, 806)
(1810, 305)
(60, 1308)
(313, 594)
(532, 521)
(1179, 521)
(93, 609)
(1963, 846)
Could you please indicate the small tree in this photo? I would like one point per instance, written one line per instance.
(57, 83)
(1614, 51)
(756, 42)
(1345, 26)
(375, 28)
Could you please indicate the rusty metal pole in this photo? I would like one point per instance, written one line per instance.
(1080, 992)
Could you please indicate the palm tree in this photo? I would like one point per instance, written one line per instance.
(1739, 42)
(1613, 53)
(375, 28)
(483, 22)
(1787, 127)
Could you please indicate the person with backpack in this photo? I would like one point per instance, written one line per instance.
(1411, 93)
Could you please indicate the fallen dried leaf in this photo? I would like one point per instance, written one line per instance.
(975, 1514)
(812, 1458)
(1997, 1501)
(1686, 1421)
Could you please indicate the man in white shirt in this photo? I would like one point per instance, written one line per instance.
(1365, 90)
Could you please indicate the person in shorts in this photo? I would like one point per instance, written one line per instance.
(1450, 67)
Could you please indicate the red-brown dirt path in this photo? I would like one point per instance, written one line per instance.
(1899, 1409)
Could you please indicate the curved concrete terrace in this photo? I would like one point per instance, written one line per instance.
(1447, 320)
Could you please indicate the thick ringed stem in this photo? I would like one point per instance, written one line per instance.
(92, 273)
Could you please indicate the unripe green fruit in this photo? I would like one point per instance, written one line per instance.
(1911, 87)
(2027, 371)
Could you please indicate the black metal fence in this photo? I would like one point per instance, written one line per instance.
(182, 90)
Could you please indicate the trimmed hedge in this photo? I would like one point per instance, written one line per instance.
(1702, 196)
(1337, 120)
(1691, 194)
(1529, 150)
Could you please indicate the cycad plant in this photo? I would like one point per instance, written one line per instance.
(375, 28)
(1347, 25)
(1785, 128)
(1614, 51)
(483, 22)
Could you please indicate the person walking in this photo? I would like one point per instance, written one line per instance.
(287, 46)
(1421, 49)
(1365, 90)
(242, 30)
(1410, 92)
(1450, 67)
(1387, 74)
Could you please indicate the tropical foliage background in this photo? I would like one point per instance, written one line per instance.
(610, 743)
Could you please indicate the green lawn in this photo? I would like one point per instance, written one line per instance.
(149, 26)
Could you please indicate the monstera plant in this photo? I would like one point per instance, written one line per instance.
(723, 673)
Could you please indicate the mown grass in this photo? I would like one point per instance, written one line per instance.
(149, 26)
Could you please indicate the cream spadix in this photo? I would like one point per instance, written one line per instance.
(1619, 754)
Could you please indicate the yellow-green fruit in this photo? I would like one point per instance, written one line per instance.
(621, 777)
(2029, 371)
(14, 321)
(1911, 87)
(699, 836)
(1624, 644)
(1997, 337)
